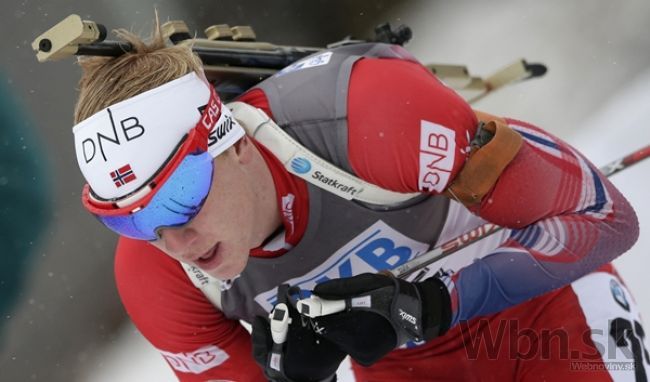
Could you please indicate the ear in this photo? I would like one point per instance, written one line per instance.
(243, 150)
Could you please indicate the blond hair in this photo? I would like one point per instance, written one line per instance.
(108, 80)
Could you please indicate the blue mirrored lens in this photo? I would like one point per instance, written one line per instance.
(178, 200)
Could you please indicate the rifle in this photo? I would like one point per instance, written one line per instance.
(234, 61)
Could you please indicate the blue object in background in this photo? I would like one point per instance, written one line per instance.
(24, 198)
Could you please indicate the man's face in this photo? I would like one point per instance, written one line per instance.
(219, 238)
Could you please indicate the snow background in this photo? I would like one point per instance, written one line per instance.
(585, 99)
(69, 325)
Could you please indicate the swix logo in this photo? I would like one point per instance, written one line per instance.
(377, 248)
(221, 130)
(198, 361)
(471, 236)
(307, 322)
(437, 153)
(407, 317)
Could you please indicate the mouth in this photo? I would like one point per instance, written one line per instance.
(210, 259)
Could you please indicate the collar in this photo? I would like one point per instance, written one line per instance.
(293, 203)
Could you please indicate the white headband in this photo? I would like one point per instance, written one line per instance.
(130, 140)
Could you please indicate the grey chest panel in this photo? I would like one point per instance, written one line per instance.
(343, 238)
(309, 99)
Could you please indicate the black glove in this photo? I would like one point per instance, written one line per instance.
(304, 355)
(382, 313)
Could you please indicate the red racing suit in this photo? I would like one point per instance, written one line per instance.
(566, 221)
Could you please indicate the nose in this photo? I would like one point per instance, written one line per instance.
(178, 240)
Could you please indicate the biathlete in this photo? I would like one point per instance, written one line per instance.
(346, 163)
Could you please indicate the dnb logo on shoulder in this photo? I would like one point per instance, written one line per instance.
(300, 165)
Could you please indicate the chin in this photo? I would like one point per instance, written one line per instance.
(223, 275)
(229, 271)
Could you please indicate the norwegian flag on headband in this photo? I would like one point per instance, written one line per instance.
(123, 175)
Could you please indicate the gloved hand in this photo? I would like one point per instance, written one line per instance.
(302, 355)
(381, 313)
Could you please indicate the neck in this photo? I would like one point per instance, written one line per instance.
(268, 215)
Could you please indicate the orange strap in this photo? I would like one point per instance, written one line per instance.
(485, 164)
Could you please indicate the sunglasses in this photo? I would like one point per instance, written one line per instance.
(177, 191)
